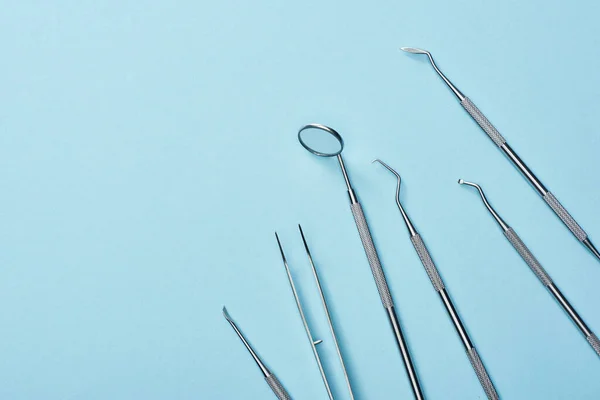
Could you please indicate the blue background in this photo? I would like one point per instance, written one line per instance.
(148, 152)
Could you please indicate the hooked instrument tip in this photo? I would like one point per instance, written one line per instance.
(463, 182)
(389, 169)
(415, 50)
(407, 221)
(487, 204)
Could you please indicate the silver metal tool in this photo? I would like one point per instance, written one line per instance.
(538, 270)
(497, 138)
(271, 379)
(331, 145)
(439, 287)
(314, 342)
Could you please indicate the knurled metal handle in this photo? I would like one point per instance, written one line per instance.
(483, 122)
(529, 258)
(564, 215)
(482, 375)
(594, 342)
(371, 252)
(277, 387)
(427, 262)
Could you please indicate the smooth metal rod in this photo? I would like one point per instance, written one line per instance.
(313, 342)
(524, 169)
(462, 332)
(327, 314)
(408, 363)
(570, 310)
(353, 198)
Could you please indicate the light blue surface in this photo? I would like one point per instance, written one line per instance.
(148, 152)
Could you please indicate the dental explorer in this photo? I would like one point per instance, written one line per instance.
(438, 285)
(271, 379)
(368, 245)
(538, 270)
(497, 138)
(314, 342)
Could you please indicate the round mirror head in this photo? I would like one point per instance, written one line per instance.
(321, 140)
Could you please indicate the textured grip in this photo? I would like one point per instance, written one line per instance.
(529, 258)
(594, 342)
(427, 262)
(483, 122)
(482, 375)
(369, 246)
(277, 388)
(564, 215)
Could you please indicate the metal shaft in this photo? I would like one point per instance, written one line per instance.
(313, 342)
(327, 313)
(261, 365)
(270, 378)
(539, 271)
(438, 285)
(408, 363)
(497, 138)
(382, 286)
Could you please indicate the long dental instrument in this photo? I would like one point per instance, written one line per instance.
(313, 342)
(538, 270)
(327, 313)
(271, 379)
(439, 287)
(497, 138)
(331, 145)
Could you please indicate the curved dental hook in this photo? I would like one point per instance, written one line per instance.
(407, 221)
(454, 89)
(499, 220)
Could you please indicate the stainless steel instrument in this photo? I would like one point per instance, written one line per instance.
(497, 138)
(271, 379)
(314, 342)
(438, 285)
(538, 270)
(331, 145)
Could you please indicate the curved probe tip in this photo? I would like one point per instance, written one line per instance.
(414, 50)
(226, 314)
(463, 182)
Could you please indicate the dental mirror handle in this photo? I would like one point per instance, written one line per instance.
(277, 387)
(384, 293)
(548, 197)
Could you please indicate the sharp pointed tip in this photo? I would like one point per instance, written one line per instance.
(375, 160)
(301, 231)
